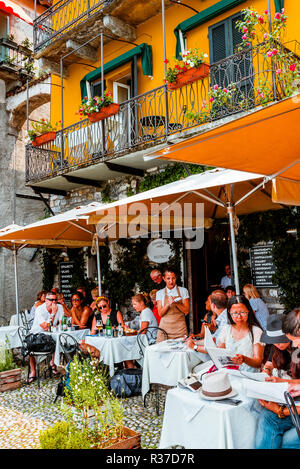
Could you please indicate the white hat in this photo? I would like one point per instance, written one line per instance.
(216, 386)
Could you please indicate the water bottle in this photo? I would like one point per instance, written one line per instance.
(120, 330)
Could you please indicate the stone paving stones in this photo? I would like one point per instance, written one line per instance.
(28, 410)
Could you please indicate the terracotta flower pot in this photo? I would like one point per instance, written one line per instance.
(10, 379)
(191, 75)
(105, 112)
(131, 440)
(44, 138)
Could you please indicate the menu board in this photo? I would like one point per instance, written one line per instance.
(65, 278)
(262, 265)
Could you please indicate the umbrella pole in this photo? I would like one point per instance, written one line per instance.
(233, 249)
(98, 267)
(16, 286)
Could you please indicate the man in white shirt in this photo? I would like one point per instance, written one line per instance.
(49, 310)
(226, 280)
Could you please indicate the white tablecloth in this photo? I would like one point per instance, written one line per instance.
(117, 349)
(163, 365)
(196, 423)
(78, 335)
(11, 332)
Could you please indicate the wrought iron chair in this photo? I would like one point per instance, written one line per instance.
(24, 320)
(69, 346)
(38, 356)
(293, 411)
(151, 336)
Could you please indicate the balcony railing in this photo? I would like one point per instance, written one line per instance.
(61, 17)
(15, 59)
(239, 83)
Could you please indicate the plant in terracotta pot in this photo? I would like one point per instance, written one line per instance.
(94, 416)
(42, 132)
(187, 70)
(98, 107)
(10, 375)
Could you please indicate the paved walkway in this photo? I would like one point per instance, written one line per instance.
(27, 411)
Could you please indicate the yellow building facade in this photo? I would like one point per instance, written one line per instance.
(151, 33)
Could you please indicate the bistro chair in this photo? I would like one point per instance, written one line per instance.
(38, 356)
(293, 411)
(69, 346)
(24, 320)
(151, 336)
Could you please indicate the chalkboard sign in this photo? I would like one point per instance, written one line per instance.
(262, 265)
(65, 278)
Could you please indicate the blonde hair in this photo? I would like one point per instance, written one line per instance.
(141, 298)
(102, 298)
(95, 292)
(153, 293)
(250, 291)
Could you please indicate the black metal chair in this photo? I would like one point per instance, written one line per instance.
(69, 346)
(151, 336)
(24, 320)
(293, 411)
(38, 356)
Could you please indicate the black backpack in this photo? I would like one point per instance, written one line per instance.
(38, 343)
(127, 383)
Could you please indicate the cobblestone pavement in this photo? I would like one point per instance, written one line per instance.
(28, 410)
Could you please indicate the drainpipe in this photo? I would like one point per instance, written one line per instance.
(98, 267)
(165, 66)
(233, 248)
(16, 285)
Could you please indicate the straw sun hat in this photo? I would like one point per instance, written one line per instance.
(216, 386)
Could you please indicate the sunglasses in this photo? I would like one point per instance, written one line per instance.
(51, 299)
(102, 307)
(75, 299)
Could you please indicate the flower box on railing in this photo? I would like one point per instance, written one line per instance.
(104, 112)
(189, 76)
(131, 440)
(44, 138)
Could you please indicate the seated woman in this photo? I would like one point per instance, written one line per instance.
(81, 313)
(259, 307)
(209, 320)
(242, 335)
(275, 427)
(173, 307)
(40, 299)
(103, 311)
(146, 318)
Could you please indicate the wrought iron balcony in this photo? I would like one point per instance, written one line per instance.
(236, 85)
(15, 61)
(61, 17)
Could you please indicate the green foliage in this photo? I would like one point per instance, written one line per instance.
(6, 357)
(273, 226)
(48, 259)
(172, 173)
(64, 435)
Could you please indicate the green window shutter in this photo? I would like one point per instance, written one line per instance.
(279, 4)
(218, 42)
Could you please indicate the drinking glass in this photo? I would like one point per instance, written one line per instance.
(99, 326)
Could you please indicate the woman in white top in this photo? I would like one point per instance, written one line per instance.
(147, 318)
(173, 305)
(242, 335)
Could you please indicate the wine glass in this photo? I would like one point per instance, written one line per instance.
(99, 326)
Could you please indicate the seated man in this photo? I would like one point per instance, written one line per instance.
(48, 312)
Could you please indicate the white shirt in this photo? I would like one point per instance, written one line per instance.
(221, 320)
(43, 315)
(226, 281)
(160, 295)
(148, 316)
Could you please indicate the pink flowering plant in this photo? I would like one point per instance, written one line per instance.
(191, 59)
(91, 105)
(41, 127)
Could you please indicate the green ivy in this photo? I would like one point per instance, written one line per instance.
(172, 173)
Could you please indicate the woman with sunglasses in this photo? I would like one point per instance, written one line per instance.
(81, 313)
(242, 335)
(103, 311)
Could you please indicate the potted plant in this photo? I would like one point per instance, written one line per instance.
(10, 375)
(42, 132)
(9, 63)
(93, 415)
(191, 68)
(98, 108)
(9, 41)
(26, 47)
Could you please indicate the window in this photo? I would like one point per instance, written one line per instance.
(96, 88)
(224, 37)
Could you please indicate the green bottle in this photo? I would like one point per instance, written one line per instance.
(64, 323)
(108, 328)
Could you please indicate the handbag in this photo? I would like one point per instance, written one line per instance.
(39, 342)
(127, 383)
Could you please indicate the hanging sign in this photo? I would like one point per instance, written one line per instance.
(65, 278)
(159, 251)
(262, 265)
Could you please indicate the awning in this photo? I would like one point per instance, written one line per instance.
(145, 50)
(265, 142)
(10, 7)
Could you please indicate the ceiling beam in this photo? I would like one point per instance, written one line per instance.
(46, 190)
(83, 181)
(124, 169)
